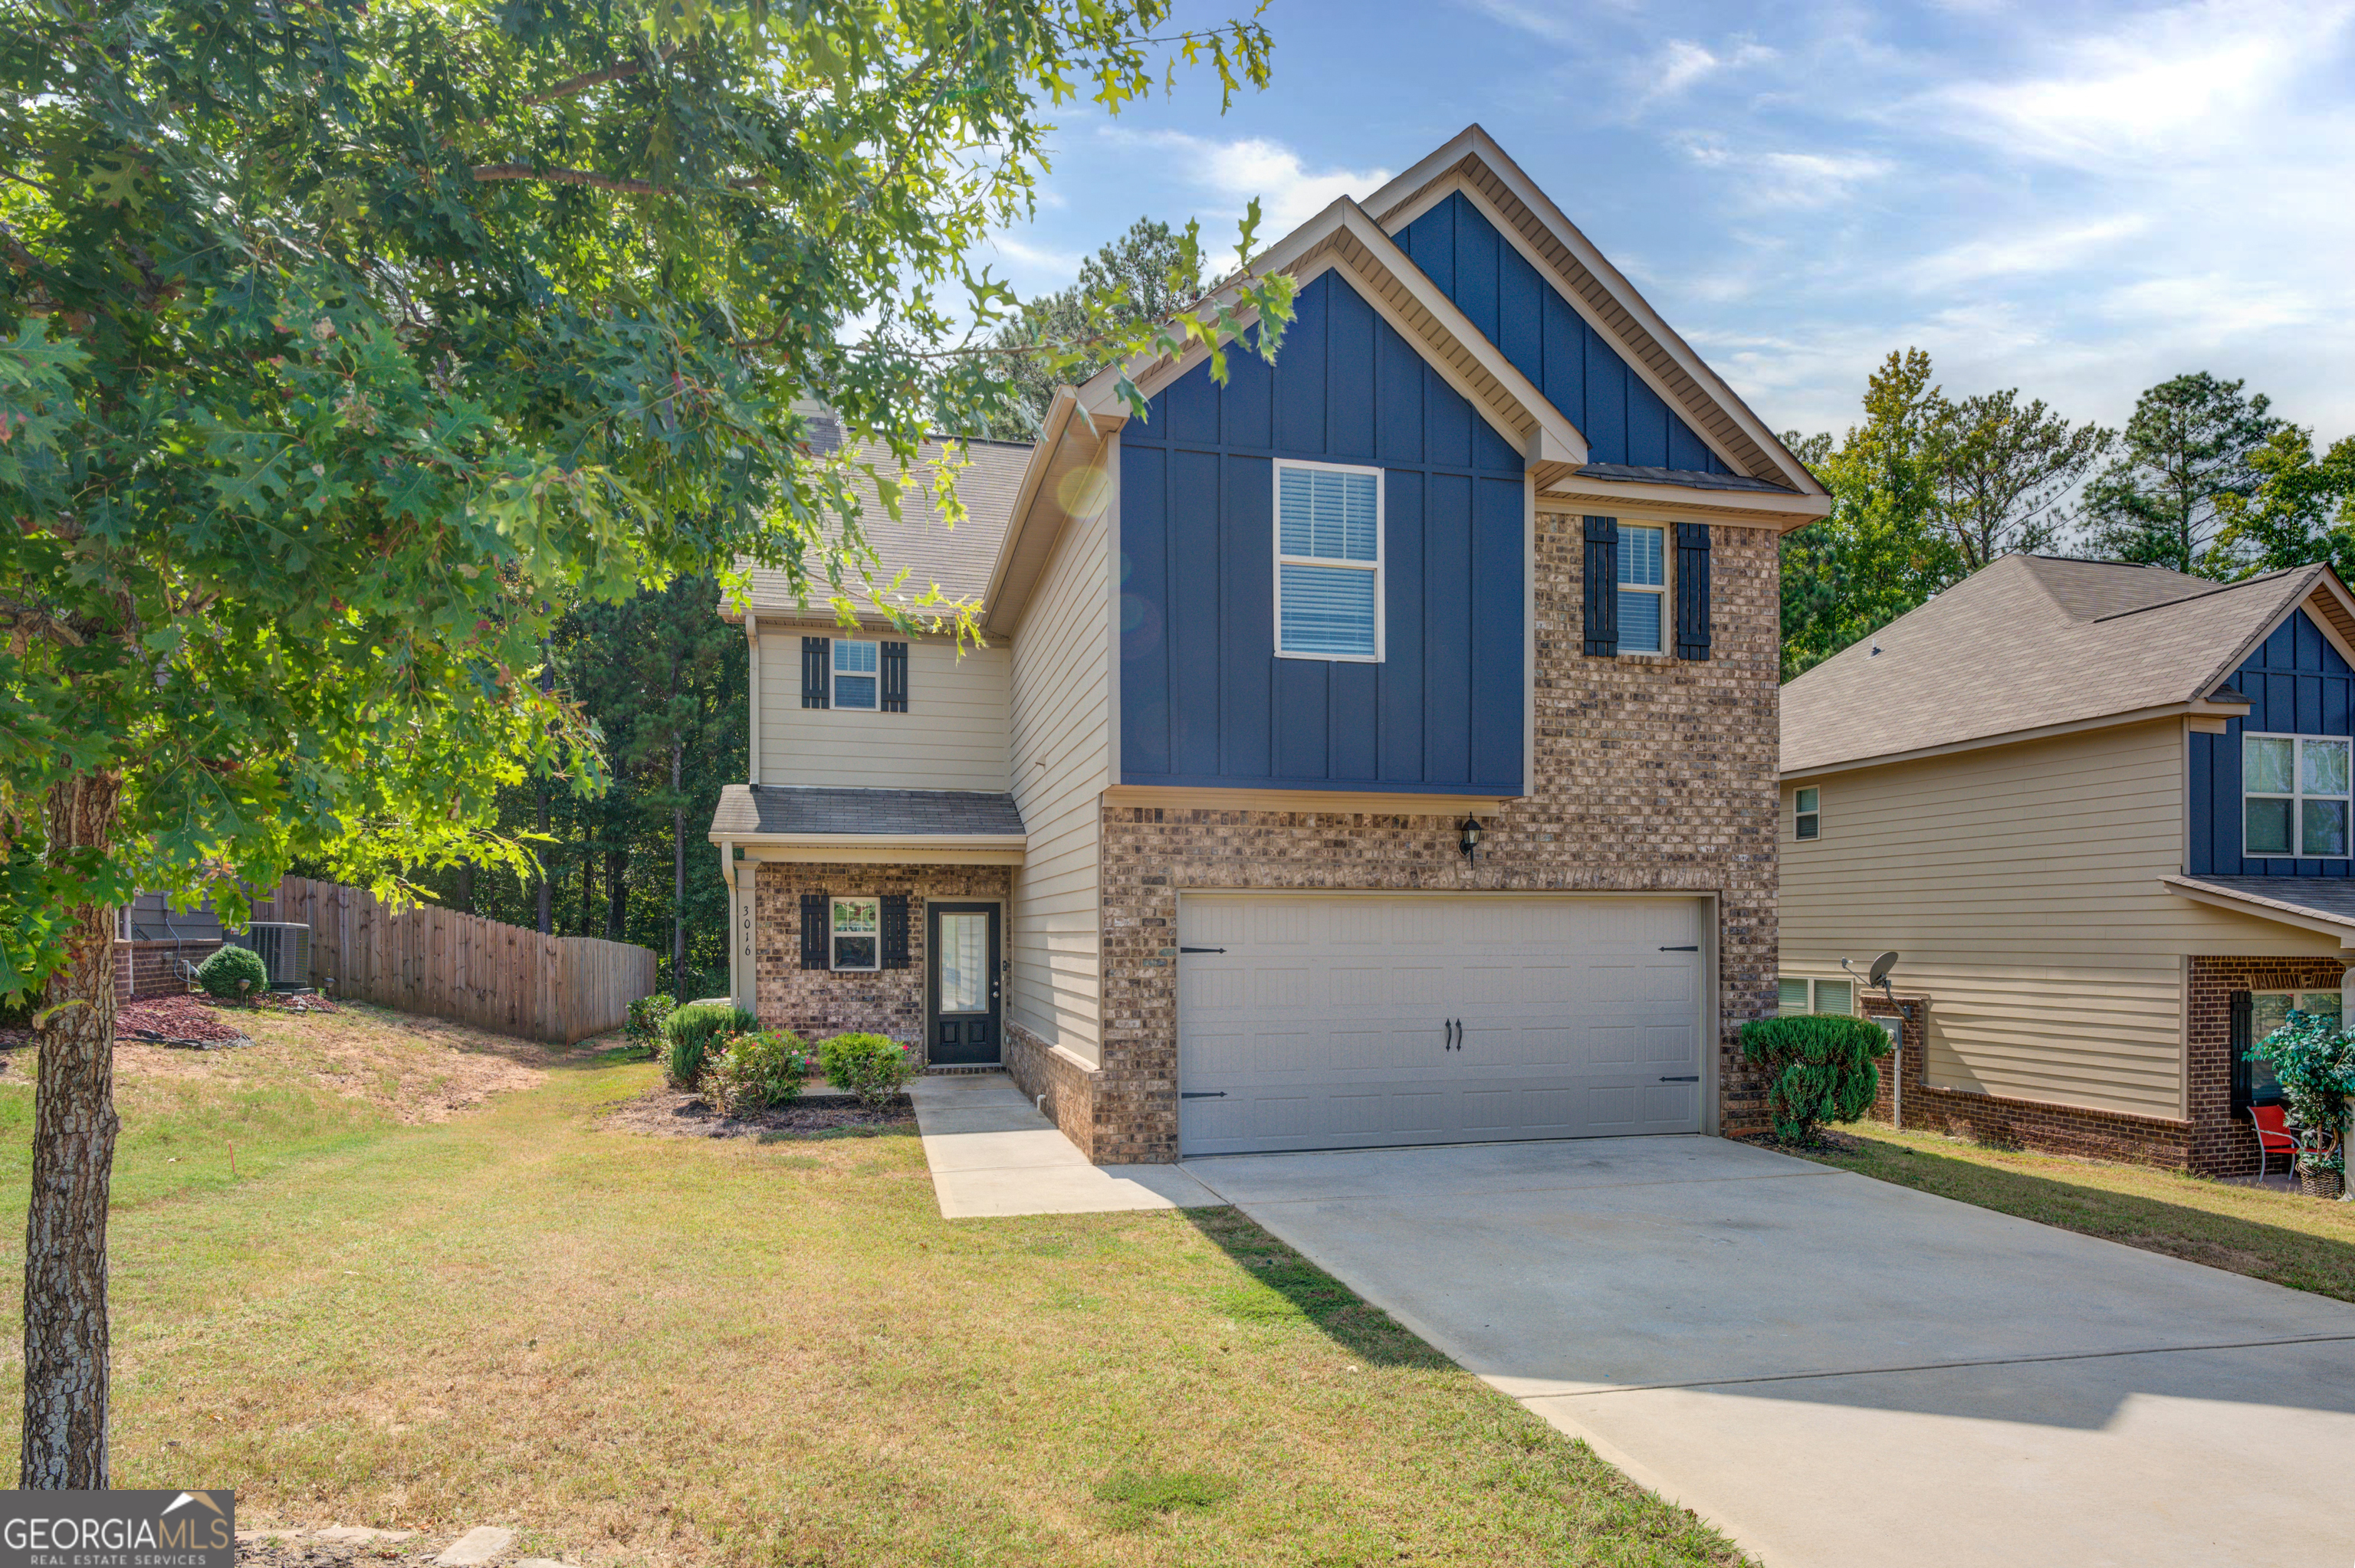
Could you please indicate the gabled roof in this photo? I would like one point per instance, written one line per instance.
(2036, 644)
(1472, 163)
(958, 558)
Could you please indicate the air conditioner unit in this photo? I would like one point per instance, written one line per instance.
(285, 948)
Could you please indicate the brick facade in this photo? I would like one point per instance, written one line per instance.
(2220, 1147)
(817, 1003)
(152, 968)
(1653, 774)
(2210, 1142)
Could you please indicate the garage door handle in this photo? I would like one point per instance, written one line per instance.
(1687, 1079)
(1201, 949)
(1690, 948)
(1202, 1094)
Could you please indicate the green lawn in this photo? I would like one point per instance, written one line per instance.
(2303, 1243)
(649, 1350)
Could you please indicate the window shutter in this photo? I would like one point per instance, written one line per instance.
(817, 671)
(2241, 1035)
(816, 925)
(895, 680)
(895, 930)
(1692, 590)
(1602, 588)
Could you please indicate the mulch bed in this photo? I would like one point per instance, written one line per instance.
(1827, 1143)
(676, 1114)
(191, 1021)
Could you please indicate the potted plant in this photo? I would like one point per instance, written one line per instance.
(2314, 1060)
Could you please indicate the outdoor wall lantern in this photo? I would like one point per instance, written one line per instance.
(1470, 842)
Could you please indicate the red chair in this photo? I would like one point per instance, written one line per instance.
(2273, 1133)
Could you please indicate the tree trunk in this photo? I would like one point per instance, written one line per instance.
(616, 908)
(66, 1351)
(466, 887)
(588, 881)
(546, 915)
(678, 878)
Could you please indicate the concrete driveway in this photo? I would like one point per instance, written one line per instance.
(1839, 1372)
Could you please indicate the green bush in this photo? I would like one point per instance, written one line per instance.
(220, 973)
(1820, 1066)
(692, 1032)
(871, 1066)
(2314, 1063)
(647, 1014)
(756, 1072)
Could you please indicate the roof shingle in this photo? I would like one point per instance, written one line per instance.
(2028, 643)
(748, 810)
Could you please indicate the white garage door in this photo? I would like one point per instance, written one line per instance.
(1346, 1021)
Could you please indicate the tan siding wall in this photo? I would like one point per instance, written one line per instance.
(953, 735)
(2021, 886)
(1061, 763)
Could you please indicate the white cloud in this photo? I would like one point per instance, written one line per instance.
(1806, 180)
(1681, 63)
(2027, 253)
(1232, 172)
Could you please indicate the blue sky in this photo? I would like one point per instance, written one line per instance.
(2076, 200)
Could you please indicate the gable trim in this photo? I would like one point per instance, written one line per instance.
(1472, 161)
(1344, 237)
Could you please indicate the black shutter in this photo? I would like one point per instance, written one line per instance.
(1692, 590)
(895, 685)
(895, 927)
(2243, 1035)
(1602, 588)
(817, 671)
(816, 922)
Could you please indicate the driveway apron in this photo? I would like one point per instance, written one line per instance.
(1837, 1371)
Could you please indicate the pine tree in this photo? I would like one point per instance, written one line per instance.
(2186, 447)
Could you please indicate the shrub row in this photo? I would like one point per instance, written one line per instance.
(722, 1050)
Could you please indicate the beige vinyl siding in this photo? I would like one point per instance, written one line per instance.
(2020, 885)
(953, 735)
(1061, 764)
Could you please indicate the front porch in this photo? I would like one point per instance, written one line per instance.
(876, 911)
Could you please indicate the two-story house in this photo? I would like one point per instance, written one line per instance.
(2101, 812)
(1378, 748)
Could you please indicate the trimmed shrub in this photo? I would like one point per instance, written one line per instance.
(2315, 1064)
(872, 1066)
(756, 1072)
(220, 973)
(1819, 1068)
(690, 1032)
(647, 1014)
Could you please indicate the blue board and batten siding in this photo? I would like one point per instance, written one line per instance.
(1204, 698)
(2296, 684)
(1623, 420)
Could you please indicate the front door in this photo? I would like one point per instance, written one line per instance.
(962, 940)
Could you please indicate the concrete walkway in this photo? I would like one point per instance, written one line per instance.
(1838, 1372)
(993, 1154)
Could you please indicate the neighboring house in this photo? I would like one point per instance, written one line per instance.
(2101, 813)
(1182, 847)
(156, 945)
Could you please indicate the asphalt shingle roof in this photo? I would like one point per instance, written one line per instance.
(749, 811)
(960, 558)
(1693, 479)
(2027, 642)
(2326, 897)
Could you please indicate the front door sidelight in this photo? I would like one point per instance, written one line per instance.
(963, 983)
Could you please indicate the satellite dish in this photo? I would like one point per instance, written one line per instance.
(1881, 968)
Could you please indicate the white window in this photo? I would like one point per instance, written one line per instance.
(858, 679)
(2293, 797)
(1794, 994)
(1807, 813)
(1329, 562)
(1642, 589)
(858, 931)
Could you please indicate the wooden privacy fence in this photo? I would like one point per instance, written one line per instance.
(433, 960)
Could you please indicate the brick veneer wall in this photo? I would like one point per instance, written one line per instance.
(815, 1003)
(1065, 1082)
(152, 968)
(2220, 1147)
(1653, 775)
(2023, 1124)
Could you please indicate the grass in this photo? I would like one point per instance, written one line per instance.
(666, 1349)
(2303, 1243)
